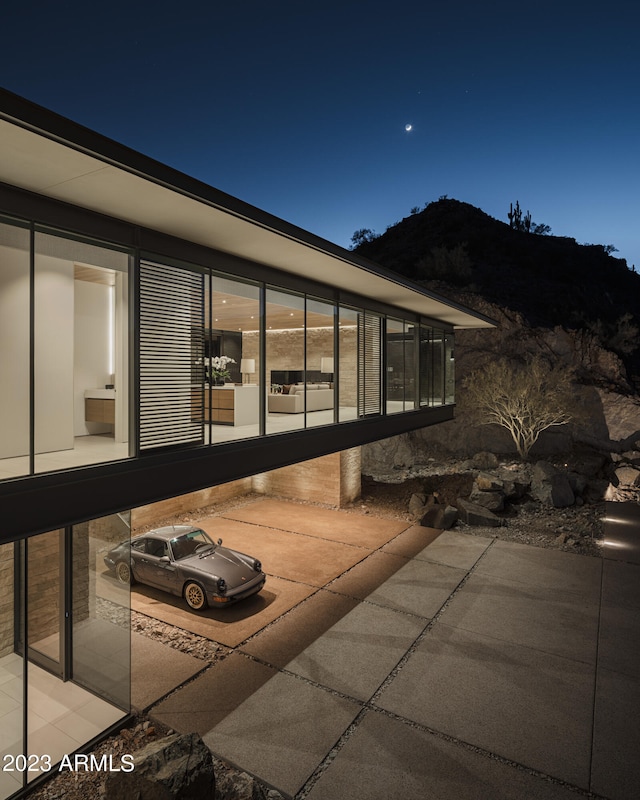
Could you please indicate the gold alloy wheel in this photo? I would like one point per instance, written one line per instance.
(195, 596)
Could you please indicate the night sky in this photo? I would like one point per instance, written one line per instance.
(301, 108)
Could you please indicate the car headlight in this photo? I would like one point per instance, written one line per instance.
(222, 585)
(257, 566)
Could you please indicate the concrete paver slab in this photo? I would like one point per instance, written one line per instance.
(411, 541)
(306, 559)
(282, 749)
(527, 614)
(148, 683)
(620, 584)
(456, 549)
(229, 626)
(358, 652)
(386, 759)
(545, 568)
(615, 770)
(420, 587)
(619, 641)
(326, 523)
(281, 642)
(205, 702)
(528, 706)
(368, 575)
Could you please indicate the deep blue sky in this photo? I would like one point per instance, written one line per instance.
(300, 108)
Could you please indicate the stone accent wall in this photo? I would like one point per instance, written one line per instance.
(333, 479)
(347, 340)
(43, 596)
(153, 513)
(350, 475)
(6, 599)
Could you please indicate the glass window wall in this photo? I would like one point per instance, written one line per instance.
(65, 671)
(285, 360)
(232, 353)
(14, 351)
(347, 364)
(320, 343)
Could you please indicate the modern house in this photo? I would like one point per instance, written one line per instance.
(122, 282)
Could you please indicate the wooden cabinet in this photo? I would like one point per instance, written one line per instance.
(222, 405)
(97, 409)
(231, 405)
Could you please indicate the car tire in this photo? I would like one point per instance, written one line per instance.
(123, 573)
(195, 596)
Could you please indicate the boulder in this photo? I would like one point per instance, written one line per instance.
(417, 504)
(486, 482)
(485, 460)
(627, 476)
(551, 486)
(473, 514)
(234, 784)
(177, 767)
(494, 501)
(439, 516)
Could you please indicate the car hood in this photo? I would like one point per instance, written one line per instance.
(223, 563)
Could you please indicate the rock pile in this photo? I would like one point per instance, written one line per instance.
(624, 483)
(500, 491)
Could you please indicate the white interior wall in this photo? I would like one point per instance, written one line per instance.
(91, 349)
(54, 319)
(14, 352)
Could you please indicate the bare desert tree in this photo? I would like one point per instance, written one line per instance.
(526, 398)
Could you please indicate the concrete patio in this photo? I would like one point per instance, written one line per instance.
(422, 667)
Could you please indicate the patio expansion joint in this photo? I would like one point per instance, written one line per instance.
(427, 628)
(369, 708)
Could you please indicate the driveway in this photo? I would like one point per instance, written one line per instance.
(418, 665)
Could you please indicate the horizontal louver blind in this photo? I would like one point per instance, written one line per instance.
(171, 356)
(369, 364)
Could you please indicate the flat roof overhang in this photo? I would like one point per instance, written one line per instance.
(49, 155)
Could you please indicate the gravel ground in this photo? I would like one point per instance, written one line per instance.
(577, 529)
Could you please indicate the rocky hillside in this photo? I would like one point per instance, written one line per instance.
(549, 282)
(575, 304)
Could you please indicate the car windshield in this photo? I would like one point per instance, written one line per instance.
(190, 543)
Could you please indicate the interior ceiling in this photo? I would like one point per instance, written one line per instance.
(82, 272)
(235, 313)
(55, 169)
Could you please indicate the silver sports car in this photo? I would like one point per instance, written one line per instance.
(183, 560)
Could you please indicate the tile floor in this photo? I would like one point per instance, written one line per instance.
(62, 716)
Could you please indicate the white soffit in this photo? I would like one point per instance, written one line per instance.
(54, 169)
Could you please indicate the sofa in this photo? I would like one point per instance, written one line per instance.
(319, 397)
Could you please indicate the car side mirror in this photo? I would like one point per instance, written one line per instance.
(165, 560)
(219, 542)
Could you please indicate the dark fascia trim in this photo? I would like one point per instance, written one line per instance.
(44, 122)
(40, 503)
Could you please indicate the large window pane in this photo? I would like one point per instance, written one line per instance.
(232, 359)
(425, 355)
(395, 379)
(449, 370)
(437, 345)
(347, 363)
(101, 612)
(320, 362)
(81, 353)
(409, 366)
(285, 349)
(14, 351)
